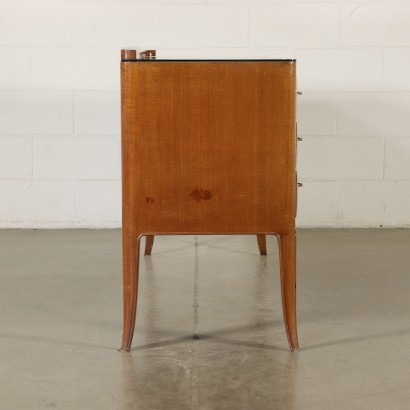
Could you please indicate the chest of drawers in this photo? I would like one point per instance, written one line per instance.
(208, 147)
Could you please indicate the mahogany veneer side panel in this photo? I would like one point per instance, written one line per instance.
(210, 146)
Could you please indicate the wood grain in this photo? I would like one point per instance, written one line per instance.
(209, 147)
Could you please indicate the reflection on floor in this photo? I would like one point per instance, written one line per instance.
(209, 331)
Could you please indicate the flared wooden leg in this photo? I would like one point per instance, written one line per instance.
(130, 284)
(149, 242)
(262, 244)
(287, 251)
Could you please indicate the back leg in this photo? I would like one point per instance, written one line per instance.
(262, 244)
(149, 242)
(130, 285)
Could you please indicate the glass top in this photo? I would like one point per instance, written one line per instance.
(211, 60)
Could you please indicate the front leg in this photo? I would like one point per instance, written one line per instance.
(287, 252)
(262, 244)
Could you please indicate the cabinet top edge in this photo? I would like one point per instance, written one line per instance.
(211, 61)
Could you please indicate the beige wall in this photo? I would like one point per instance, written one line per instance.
(59, 100)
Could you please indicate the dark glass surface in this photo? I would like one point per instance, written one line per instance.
(210, 60)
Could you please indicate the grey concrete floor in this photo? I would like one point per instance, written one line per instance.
(61, 313)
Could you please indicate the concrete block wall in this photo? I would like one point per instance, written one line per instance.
(60, 103)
